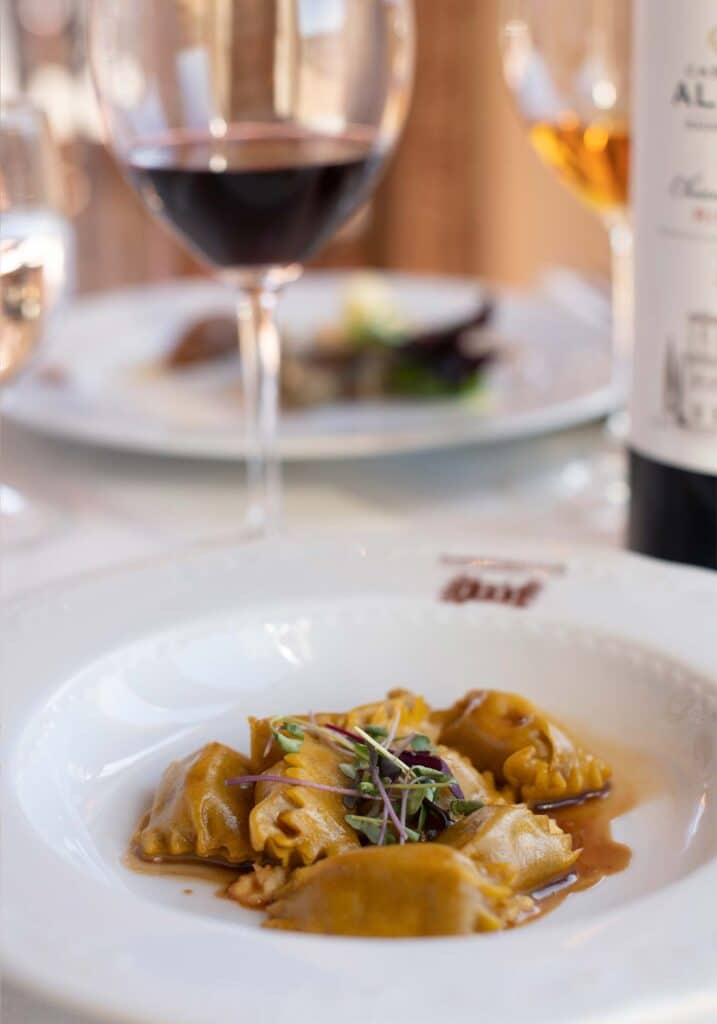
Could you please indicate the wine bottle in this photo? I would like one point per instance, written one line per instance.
(673, 457)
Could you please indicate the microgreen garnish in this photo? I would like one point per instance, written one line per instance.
(293, 729)
(250, 780)
(288, 744)
(289, 734)
(372, 828)
(377, 732)
(420, 742)
(462, 808)
(398, 788)
(431, 773)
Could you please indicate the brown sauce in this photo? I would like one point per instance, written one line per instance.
(636, 779)
(590, 824)
(202, 870)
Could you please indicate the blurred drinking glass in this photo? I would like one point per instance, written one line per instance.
(567, 63)
(254, 129)
(568, 66)
(35, 247)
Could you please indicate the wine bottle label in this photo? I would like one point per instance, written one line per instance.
(674, 390)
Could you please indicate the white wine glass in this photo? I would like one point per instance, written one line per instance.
(35, 253)
(254, 129)
(568, 66)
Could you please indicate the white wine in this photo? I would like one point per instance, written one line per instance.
(22, 305)
(674, 392)
(592, 160)
(36, 250)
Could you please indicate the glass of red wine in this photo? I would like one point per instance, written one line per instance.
(254, 129)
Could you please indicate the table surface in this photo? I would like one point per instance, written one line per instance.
(107, 508)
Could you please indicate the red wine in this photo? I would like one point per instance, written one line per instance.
(674, 401)
(256, 199)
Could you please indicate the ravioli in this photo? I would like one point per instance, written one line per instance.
(522, 746)
(265, 751)
(409, 713)
(525, 850)
(474, 785)
(398, 821)
(397, 891)
(194, 812)
(295, 825)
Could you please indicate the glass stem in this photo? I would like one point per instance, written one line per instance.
(260, 352)
(623, 274)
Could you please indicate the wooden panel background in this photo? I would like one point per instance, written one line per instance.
(465, 193)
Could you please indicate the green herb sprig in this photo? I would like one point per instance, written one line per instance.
(399, 789)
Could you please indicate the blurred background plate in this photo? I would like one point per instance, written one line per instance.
(102, 381)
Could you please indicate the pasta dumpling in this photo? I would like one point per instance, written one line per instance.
(509, 736)
(393, 819)
(196, 814)
(474, 785)
(397, 891)
(295, 825)
(525, 850)
(408, 711)
(264, 749)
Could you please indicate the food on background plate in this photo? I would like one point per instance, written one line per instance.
(373, 351)
(391, 819)
(204, 341)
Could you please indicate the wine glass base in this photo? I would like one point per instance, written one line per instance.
(596, 490)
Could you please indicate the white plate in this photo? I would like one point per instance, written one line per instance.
(111, 678)
(114, 398)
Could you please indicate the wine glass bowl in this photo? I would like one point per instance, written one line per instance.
(22, 307)
(567, 64)
(36, 249)
(35, 242)
(254, 129)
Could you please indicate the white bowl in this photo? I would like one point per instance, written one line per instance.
(113, 678)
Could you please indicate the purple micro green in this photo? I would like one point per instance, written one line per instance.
(345, 733)
(248, 780)
(424, 760)
(395, 820)
(404, 805)
(384, 826)
(421, 781)
(404, 744)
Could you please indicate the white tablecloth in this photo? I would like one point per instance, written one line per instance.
(110, 508)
